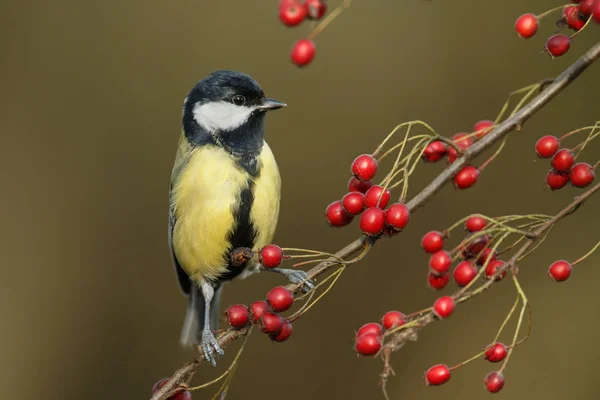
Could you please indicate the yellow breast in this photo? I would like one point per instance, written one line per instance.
(267, 194)
(205, 195)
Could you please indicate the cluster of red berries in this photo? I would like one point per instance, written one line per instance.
(494, 381)
(564, 169)
(266, 313)
(474, 254)
(369, 338)
(293, 13)
(369, 200)
(437, 150)
(575, 17)
(181, 395)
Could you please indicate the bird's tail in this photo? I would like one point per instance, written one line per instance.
(194, 316)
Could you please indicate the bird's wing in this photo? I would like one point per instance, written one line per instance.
(183, 152)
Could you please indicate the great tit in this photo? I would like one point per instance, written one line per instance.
(224, 195)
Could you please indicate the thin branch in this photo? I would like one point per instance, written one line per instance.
(185, 374)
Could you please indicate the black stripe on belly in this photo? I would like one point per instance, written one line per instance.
(244, 233)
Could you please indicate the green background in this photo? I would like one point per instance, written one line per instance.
(90, 117)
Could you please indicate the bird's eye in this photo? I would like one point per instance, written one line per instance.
(238, 100)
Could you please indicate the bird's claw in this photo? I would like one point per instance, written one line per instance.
(210, 347)
(297, 276)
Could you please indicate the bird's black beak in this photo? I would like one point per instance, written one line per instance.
(270, 104)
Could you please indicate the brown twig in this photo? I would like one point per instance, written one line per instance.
(184, 374)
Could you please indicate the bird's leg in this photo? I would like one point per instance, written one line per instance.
(295, 276)
(208, 342)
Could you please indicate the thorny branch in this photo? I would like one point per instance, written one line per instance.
(183, 376)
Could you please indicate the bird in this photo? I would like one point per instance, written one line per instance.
(225, 193)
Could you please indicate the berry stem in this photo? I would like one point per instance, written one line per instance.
(475, 357)
(585, 128)
(508, 316)
(489, 160)
(534, 88)
(538, 244)
(591, 136)
(481, 271)
(519, 322)
(545, 13)
(589, 19)
(228, 370)
(586, 255)
(323, 24)
(336, 276)
(402, 125)
(511, 95)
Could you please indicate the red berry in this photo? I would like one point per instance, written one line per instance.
(280, 299)
(158, 385)
(475, 224)
(286, 332)
(291, 13)
(393, 319)
(364, 167)
(353, 203)
(368, 344)
(373, 195)
(238, 316)
(303, 52)
(372, 328)
(586, 7)
(472, 247)
(271, 256)
(547, 146)
(466, 178)
(439, 263)
(558, 44)
(336, 216)
(556, 180)
(492, 267)
(563, 160)
(437, 281)
(397, 216)
(437, 375)
(181, 395)
(356, 185)
(595, 9)
(432, 242)
(581, 175)
(526, 25)
(483, 127)
(494, 382)
(271, 324)
(443, 307)
(463, 141)
(258, 308)
(464, 273)
(487, 254)
(434, 151)
(560, 270)
(315, 8)
(389, 232)
(496, 352)
(573, 18)
(372, 221)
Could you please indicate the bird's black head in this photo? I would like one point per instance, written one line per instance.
(227, 108)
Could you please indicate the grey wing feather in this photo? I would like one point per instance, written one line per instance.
(184, 281)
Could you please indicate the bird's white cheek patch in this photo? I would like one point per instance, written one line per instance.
(221, 115)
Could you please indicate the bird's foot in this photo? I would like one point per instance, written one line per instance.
(296, 276)
(210, 347)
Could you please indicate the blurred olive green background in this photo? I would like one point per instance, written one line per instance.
(91, 95)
